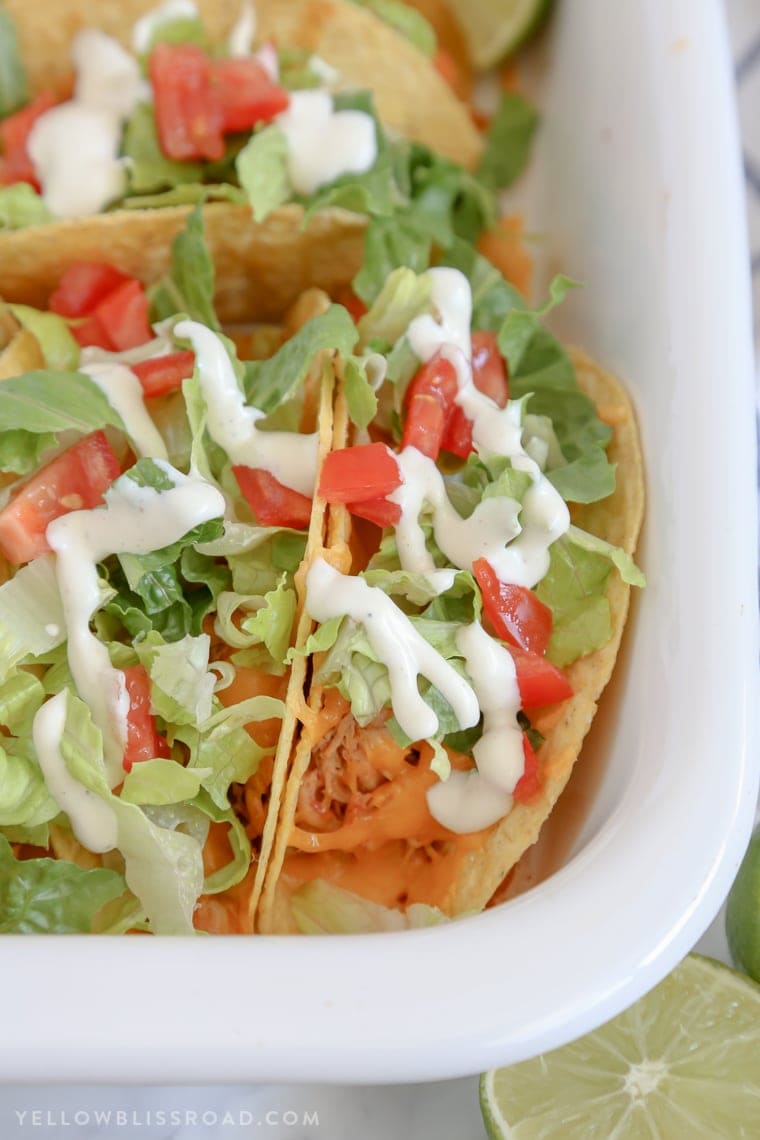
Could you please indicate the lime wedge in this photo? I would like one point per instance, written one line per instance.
(683, 1062)
(494, 28)
(743, 912)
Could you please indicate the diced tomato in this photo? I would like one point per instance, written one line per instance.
(164, 374)
(429, 401)
(123, 314)
(73, 481)
(379, 511)
(247, 93)
(530, 782)
(272, 503)
(489, 370)
(356, 474)
(188, 107)
(90, 331)
(489, 375)
(15, 164)
(144, 741)
(540, 682)
(516, 614)
(457, 437)
(83, 285)
(348, 299)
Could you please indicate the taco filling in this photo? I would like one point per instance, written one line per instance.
(157, 508)
(468, 614)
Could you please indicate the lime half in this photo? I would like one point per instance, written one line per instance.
(683, 1063)
(494, 28)
(743, 912)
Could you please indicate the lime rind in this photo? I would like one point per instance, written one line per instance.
(682, 1061)
(743, 912)
(494, 29)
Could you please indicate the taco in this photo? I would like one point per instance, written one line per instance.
(157, 509)
(485, 501)
(115, 119)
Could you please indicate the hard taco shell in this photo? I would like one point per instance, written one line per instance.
(263, 266)
(483, 864)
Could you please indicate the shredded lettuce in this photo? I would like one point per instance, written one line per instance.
(20, 204)
(31, 614)
(14, 88)
(508, 141)
(58, 346)
(160, 782)
(182, 686)
(189, 287)
(269, 383)
(262, 169)
(52, 896)
(148, 167)
(163, 866)
(320, 907)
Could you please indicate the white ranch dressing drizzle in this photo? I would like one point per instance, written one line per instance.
(324, 143)
(469, 801)
(290, 456)
(403, 650)
(92, 820)
(523, 558)
(145, 28)
(134, 520)
(75, 147)
(124, 393)
(483, 535)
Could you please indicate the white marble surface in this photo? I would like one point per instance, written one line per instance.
(446, 1111)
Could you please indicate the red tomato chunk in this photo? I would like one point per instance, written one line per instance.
(272, 503)
(75, 480)
(144, 741)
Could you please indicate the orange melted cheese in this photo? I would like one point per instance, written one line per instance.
(389, 850)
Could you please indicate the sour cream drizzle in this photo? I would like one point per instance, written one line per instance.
(324, 143)
(124, 393)
(92, 819)
(403, 650)
(522, 557)
(75, 146)
(134, 520)
(469, 801)
(290, 456)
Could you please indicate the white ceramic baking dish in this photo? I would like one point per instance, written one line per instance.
(638, 193)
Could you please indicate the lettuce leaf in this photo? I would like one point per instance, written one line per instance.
(24, 798)
(163, 867)
(14, 88)
(161, 781)
(262, 169)
(148, 167)
(32, 622)
(189, 286)
(20, 204)
(182, 686)
(269, 383)
(320, 907)
(52, 896)
(58, 346)
(41, 401)
(508, 141)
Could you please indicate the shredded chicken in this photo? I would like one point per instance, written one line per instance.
(347, 766)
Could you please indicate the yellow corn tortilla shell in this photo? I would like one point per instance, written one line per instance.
(616, 519)
(261, 268)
